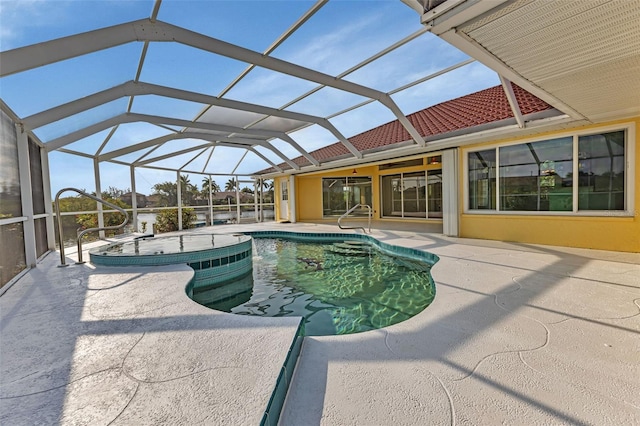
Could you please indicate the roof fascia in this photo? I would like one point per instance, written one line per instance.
(445, 23)
(453, 13)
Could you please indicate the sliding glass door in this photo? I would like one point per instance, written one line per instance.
(412, 194)
(342, 193)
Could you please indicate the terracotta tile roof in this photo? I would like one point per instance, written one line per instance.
(466, 112)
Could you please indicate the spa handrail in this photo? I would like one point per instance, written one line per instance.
(349, 212)
(81, 234)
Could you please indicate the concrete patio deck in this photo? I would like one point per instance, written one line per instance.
(517, 334)
(125, 345)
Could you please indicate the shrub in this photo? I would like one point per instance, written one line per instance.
(167, 220)
(110, 219)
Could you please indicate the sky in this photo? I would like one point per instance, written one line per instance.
(339, 36)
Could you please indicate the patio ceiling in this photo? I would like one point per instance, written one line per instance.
(167, 92)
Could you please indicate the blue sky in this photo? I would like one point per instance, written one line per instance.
(340, 35)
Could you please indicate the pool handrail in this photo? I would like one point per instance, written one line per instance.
(82, 233)
(348, 212)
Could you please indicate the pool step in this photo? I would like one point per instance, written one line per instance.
(355, 243)
(346, 249)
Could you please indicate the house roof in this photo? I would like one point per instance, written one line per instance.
(465, 114)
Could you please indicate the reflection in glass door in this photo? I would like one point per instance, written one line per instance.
(284, 200)
(412, 194)
(414, 197)
(342, 193)
(434, 191)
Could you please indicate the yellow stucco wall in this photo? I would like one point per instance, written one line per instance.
(309, 191)
(595, 232)
(277, 195)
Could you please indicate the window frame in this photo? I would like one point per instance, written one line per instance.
(629, 182)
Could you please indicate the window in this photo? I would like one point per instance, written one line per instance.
(37, 185)
(537, 176)
(12, 254)
(482, 179)
(601, 171)
(541, 176)
(10, 200)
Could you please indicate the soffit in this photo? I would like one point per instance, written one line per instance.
(584, 53)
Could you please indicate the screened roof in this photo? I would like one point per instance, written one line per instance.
(220, 87)
(230, 87)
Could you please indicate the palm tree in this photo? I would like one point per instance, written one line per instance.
(167, 192)
(206, 182)
(230, 185)
(188, 190)
(268, 189)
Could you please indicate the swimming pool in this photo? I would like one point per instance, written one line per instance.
(339, 283)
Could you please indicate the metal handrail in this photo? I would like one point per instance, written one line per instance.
(82, 233)
(349, 212)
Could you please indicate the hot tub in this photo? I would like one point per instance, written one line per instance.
(215, 258)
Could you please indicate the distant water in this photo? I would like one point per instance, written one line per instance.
(150, 218)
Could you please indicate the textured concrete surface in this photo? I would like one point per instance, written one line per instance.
(97, 346)
(517, 334)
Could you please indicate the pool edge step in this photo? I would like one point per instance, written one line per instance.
(271, 415)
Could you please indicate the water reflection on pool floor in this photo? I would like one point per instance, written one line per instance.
(339, 288)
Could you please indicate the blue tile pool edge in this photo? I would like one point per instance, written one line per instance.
(271, 414)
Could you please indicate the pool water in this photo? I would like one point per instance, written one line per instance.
(338, 287)
(169, 245)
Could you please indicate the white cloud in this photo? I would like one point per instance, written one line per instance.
(335, 47)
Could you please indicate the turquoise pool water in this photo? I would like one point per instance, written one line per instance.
(339, 287)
